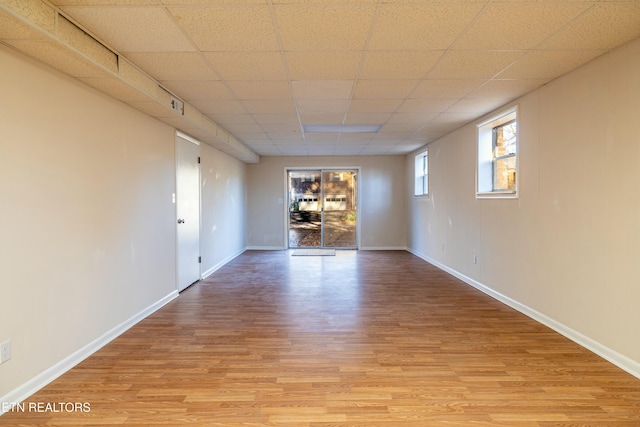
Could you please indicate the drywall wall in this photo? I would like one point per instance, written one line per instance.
(223, 217)
(382, 199)
(87, 223)
(567, 250)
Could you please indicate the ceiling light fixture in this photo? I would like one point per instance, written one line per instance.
(342, 128)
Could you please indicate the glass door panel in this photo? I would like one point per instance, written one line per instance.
(305, 208)
(339, 218)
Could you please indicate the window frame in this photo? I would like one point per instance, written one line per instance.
(423, 157)
(486, 158)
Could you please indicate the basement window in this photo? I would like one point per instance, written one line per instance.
(498, 156)
(421, 187)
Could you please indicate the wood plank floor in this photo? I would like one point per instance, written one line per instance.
(364, 338)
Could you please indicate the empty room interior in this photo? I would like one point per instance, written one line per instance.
(320, 213)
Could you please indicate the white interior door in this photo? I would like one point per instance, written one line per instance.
(188, 210)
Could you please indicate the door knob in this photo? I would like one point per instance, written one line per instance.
(180, 221)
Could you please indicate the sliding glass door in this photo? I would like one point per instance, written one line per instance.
(322, 208)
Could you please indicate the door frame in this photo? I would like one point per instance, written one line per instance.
(321, 169)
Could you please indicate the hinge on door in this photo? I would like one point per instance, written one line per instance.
(199, 260)
(198, 160)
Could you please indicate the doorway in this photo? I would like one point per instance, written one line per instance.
(187, 210)
(322, 208)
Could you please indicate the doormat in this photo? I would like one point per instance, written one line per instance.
(314, 252)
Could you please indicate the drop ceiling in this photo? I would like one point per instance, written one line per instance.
(259, 70)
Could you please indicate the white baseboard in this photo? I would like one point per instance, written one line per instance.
(383, 248)
(219, 265)
(32, 386)
(266, 248)
(621, 361)
(363, 248)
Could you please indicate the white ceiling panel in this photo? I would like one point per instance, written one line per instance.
(133, 29)
(227, 29)
(515, 26)
(324, 27)
(392, 65)
(254, 66)
(421, 26)
(322, 89)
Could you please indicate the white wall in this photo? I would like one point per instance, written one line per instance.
(87, 225)
(567, 251)
(222, 231)
(382, 209)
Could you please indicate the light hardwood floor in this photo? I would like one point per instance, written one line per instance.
(364, 338)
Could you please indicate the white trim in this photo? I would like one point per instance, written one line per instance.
(41, 380)
(187, 137)
(219, 265)
(621, 361)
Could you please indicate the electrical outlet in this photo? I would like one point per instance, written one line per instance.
(5, 351)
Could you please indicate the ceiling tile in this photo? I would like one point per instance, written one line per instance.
(322, 138)
(477, 106)
(265, 119)
(234, 119)
(426, 105)
(292, 149)
(322, 106)
(375, 118)
(173, 65)
(374, 105)
(323, 65)
(341, 27)
(260, 90)
(248, 65)
(452, 120)
(228, 29)
(287, 138)
(420, 26)
(108, 2)
(384, 89)
(398, 65)
(211, 107)
(404, 128)
(314, 118)
(473, 64)
(192, 90)
(282, 127)
(511, 26)
(411, 118)
(240, 130)
(547, 64)
(322, 89)
(269, 106)
(439, 88)
(603, 27)
(132, 29)
(506, 88)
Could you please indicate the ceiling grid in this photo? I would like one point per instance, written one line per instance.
(252, 73)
